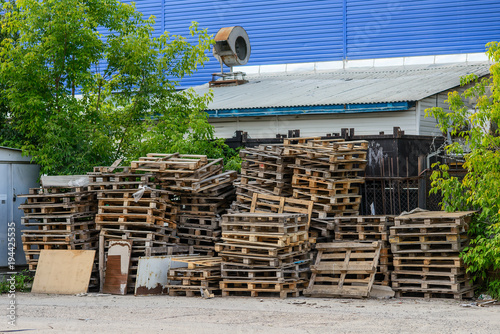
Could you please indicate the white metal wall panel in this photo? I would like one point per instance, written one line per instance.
(428, 124)
(314, 125)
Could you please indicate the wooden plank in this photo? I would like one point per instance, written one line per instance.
(63, 271)
(64, 180)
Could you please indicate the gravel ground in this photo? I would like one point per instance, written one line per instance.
(95, 313)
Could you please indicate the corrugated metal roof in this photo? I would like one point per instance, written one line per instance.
(350, 86)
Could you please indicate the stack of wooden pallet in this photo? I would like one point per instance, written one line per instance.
(201, 276)
(369, 228)
(264, 170)
(344, 269)
(183, 172)
(129, 208)
(426, 248)
(199, 222)
(328, 172)
(264, 254)
(202, 192)
(62, 218)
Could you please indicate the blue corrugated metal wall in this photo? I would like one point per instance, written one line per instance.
(377, 29)
(280, 31)
(295, 31)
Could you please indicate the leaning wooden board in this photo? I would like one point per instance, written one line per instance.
(63, 271)
(117, 267)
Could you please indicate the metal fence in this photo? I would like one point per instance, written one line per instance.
(389, 196)
(394, 195)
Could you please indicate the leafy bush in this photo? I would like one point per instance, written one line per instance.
(22, 283)
(477, 110)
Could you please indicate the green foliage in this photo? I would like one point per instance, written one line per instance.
(233, 160)
(77, 98)
(473, 118)
(22, 282)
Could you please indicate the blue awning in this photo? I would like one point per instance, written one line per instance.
(312, 110)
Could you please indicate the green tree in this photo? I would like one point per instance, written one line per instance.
(78, 98)
(473, 117)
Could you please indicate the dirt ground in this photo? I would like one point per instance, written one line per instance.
(95, 313)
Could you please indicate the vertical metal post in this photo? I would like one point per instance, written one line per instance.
(422, 183)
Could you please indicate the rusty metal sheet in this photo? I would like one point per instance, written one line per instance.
(117, 267)
(223, 34)
(152, 272)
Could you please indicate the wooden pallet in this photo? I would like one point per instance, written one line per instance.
(428, 261)
(300, 140)
(248, 188)
(256, 288)
(203, 206)
(198, 233)
(435, 217)
(118, 181)
(436, 277)
(267, 203)
(266, 239)
(344, 269)
(276, 223)
(185, 178)
(364, 228)
(176, 163)
(293, 272)
(58, 220)
(55, 190)
(214, 181)
(208, 222)
(245, 250)
(415, 293)
(450, 243)
(250, 261)
(190, 291)
(431, 286)
(57, 198)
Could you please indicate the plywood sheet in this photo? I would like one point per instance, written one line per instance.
(117, 267)
(63, 271)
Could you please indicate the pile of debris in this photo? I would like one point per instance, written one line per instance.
(427, 263)
(264, 254)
